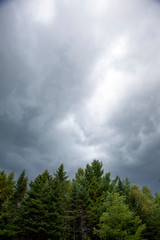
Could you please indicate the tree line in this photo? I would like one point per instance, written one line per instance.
(91, 206)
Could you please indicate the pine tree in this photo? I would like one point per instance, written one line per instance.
(6, 205)
(93, 176)
(94, 170)
(6, 186)
(62, 188)
(77, 206)
(38, 216)
(93, 208)
(123, 187)
(7, 230)
(20, 188)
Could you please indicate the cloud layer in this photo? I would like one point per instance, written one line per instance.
(80, 81)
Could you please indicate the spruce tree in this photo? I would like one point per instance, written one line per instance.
(20, 188)
(62, 188)
(6, 205)
(38, 217)
(6, 186)
(78, 206)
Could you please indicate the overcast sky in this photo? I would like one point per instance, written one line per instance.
(80, 80)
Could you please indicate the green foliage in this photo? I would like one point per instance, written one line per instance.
(93, 213)
(6, 220)
(61, 174)
(156, 217)
(20, 188)
(38, 215)
(6, 186)
(94, 170)
(77, 206)
(141, 202)
(106, 183)
(91, 206)
(117, 221)
(61, 191)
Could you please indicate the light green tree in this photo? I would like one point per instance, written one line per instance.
(6, 186)
(117, 221)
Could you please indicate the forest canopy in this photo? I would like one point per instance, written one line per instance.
(91, 206)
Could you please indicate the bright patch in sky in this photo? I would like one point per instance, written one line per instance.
(43, 11)
(106, 95)
(97, 8)
(76, 136)
(112, 85)
(70, 126)
(119, 47)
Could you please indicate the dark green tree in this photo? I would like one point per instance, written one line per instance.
(38, 215)
(94, 206)
(106, 183)
(7, 229)
(20, 188)
(62, 189)
(94, 170)
(93, 176)
(6, 205)
(123, 187)
(156, 217)
(91, 206)
(77, 206)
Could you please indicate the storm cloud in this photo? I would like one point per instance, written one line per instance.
(80, 80)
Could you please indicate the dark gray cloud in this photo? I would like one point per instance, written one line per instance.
(79, 82)
(137, 124)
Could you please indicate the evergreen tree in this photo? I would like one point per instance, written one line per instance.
(106, 183)
(93, 176)
(94, 170)
(7, 230)
(6, 205)
(91, 206)
(77, 206)
(156, 218)
(6, 186)
(123, 187)
(62, 188)
(20, 188)
(38, 216)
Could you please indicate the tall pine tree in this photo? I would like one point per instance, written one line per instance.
(38, 216)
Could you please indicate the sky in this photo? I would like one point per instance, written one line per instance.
(80, 80)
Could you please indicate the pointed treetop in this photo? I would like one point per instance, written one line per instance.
(61, 174)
